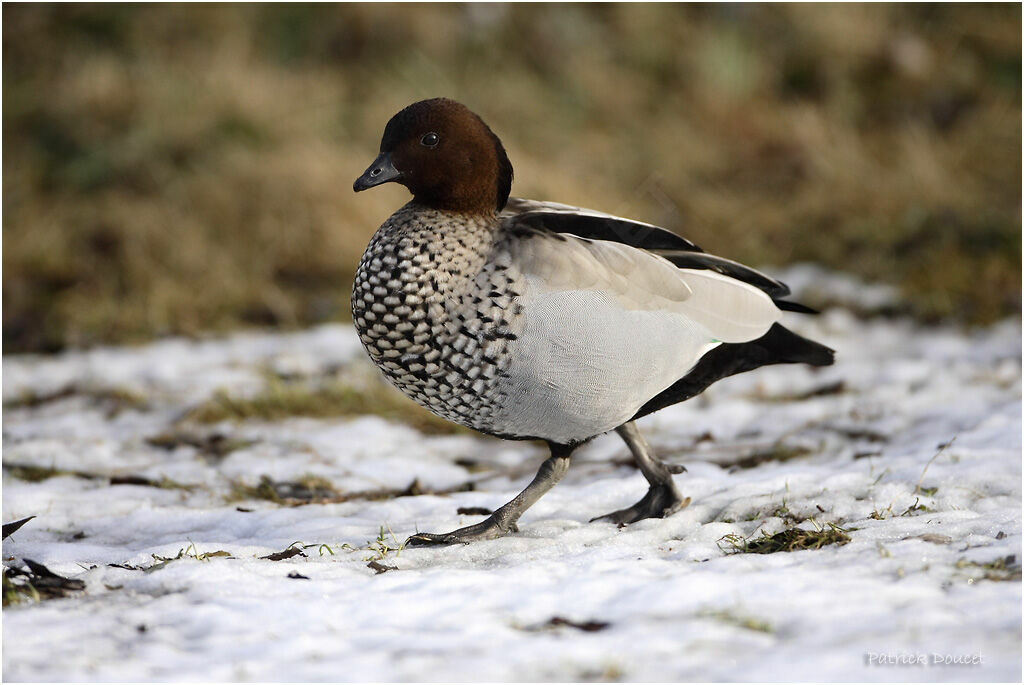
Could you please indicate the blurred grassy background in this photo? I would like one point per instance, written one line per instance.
(182, 169)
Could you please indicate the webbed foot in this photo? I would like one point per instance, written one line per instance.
(660, 501)
(504, 519)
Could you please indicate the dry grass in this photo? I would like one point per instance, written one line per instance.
(1002, 569)
(335, 398)
(114, 400)
(178, 169)
(738, 620)
(790, 540)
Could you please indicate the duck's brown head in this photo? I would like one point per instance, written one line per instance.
(445, 155)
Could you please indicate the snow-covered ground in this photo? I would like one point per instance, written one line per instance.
(925, 576)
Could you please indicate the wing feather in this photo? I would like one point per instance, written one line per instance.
(587, 223)
(731, 310)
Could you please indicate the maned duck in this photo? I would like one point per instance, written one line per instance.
(535, 320)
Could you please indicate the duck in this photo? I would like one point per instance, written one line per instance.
(534, 320)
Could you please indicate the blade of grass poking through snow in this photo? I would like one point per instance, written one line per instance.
(381, 548)
(191, 552)
(942, 448)
(320, 548)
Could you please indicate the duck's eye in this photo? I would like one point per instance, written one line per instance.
(430, 140)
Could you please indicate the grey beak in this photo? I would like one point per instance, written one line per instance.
(381, 171)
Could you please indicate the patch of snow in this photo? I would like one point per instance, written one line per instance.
(859, 444)
(813, 282)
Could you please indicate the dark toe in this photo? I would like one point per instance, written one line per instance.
(488, 529)
(433, 540)
(620, 516)
(657, 503)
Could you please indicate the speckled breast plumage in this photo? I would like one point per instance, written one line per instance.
(434, 305)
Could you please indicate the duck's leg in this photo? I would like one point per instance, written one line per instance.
(504, 519)
(662, 499)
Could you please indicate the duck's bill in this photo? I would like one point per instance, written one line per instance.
(381, 171)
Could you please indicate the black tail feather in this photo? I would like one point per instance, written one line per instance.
(789, 348)
(787, 306)
(778, 346)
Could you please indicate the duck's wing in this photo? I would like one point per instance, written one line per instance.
(629, 279)
(587, 223)
(603, 327)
